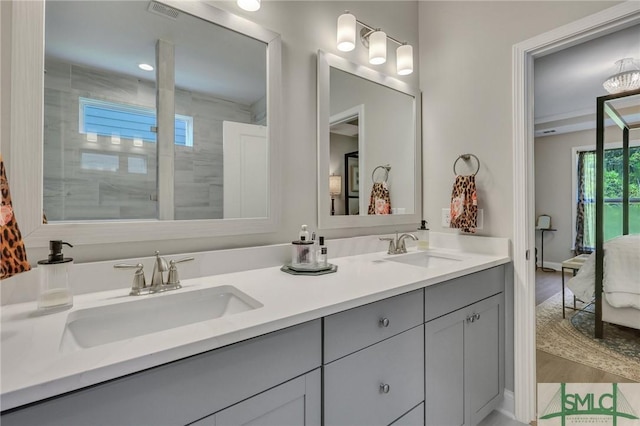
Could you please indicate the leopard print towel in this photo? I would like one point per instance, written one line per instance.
(14, 255)
(464, 204)
(380, 201)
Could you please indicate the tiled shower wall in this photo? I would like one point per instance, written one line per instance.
(72, 192)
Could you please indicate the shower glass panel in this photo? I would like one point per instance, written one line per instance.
(99, 116)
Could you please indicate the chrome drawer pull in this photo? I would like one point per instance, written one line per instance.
(384, 388)
(384, 322)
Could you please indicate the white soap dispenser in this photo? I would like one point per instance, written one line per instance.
(423, 236)
(54, 292)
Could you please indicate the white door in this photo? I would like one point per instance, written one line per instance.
(246, 179)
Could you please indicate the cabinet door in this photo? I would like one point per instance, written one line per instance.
(484, 357)
(464, 359)
(296, 402)
(376, 385)
(444, 370)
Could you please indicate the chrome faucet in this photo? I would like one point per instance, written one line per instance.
(397, 245)
(158, 284)
(159, 267)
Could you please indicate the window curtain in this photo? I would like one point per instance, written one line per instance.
(586, 208)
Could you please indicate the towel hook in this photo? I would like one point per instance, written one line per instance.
(466, 157)
(386, 175)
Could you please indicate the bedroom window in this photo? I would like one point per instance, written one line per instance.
(586, 192)
(109, 119)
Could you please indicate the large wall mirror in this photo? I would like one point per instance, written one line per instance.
(185, 148)
(369, 152)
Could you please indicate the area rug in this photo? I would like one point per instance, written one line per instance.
(559, 337)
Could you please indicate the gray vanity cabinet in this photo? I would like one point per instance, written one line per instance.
(464, 352)
(193, 388)
(296, 402)
(374, 363)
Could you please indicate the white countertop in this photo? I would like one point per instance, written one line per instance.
(34, 367)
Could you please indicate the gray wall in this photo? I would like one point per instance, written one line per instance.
(554, 196)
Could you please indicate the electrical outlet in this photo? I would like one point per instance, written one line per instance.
(446, 218)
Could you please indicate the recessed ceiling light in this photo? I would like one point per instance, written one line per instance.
(145, 67)
(249, 5)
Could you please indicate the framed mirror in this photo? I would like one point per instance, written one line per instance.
(125, 154)
(369, 134)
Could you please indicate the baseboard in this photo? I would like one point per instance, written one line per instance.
(507, 407)
(553, 265)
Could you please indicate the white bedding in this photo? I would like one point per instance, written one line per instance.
(621, 283)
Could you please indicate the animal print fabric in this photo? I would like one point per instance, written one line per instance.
(464, 204)
(14, 255)
(380, 201)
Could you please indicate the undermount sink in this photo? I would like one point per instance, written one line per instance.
(425, 259)
(86, 328)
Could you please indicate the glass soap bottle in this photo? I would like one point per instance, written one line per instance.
(423, 236)
(54, 292)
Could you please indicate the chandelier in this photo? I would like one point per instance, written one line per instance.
(627, 78)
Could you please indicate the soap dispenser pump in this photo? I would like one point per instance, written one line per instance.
(54, 279)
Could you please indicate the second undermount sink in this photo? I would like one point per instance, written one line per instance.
(86, 328)
(425, 259)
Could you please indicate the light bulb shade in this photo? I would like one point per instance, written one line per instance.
(249, 5)
(335, 184)
(346, 35)
(377, 47)
(404, 59)
(628, 77)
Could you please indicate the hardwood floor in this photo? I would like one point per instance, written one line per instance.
(553, 369)
(548, 284)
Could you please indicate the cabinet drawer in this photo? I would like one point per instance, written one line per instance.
(352, 330)
(353, 393)
(186, 390)
(448, 296)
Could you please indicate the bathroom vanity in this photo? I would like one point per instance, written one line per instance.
(380, 342)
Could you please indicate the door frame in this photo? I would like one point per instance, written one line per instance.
(523, 54)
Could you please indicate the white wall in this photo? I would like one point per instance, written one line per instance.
(305, 27)
(554, 194)
(465, 77)
(389, 132)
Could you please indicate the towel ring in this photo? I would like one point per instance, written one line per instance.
(386, 175)
(466, 157)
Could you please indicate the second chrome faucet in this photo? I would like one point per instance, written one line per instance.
(397, 245)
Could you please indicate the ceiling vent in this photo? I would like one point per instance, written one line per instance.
(162, 10)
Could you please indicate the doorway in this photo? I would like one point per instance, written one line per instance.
(602, 23)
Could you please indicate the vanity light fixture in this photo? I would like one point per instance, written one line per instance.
(346, 32)
(138, 142)
(376, 40)
(377, 47)
(115, 139)
(627, 78)
(249, 5)
(404, 59)
(145, 67)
